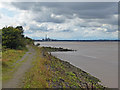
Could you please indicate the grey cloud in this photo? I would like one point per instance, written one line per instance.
(36, 28)
(99, 12)
(85, 10)
(47, 18)
(23, 5)
(71, 7)
(66, 30)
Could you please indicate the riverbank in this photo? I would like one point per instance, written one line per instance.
(51, 72)
(100, 59)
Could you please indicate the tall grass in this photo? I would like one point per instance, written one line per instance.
(9, 57)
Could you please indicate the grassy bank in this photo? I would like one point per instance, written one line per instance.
(39, 75)
(51, 72)
(10, 62)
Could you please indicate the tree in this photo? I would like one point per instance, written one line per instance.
(21, 30)
(13, 37)
(29, 40)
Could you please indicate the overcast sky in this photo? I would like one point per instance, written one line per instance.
(62, 20)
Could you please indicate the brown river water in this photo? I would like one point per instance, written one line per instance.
(100, 59)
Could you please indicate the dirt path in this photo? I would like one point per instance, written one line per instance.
(19, 74)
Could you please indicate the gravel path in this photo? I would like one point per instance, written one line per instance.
(19, 74)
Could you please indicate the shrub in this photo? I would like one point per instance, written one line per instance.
(13, 38)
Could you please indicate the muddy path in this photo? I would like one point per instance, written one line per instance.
(16, 81)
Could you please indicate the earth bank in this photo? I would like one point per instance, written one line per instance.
(51, 72)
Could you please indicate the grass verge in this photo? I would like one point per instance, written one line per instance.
(39, 75)
(10, 58)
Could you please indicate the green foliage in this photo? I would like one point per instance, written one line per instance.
(0, 36)
(13, 38)
(29, 40)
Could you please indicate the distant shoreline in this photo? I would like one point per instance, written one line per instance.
(78, 40)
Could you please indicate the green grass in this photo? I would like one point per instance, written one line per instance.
(38, 75)
(10, 62)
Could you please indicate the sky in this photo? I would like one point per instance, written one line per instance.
(62, 20)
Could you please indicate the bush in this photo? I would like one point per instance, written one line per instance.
(38, 44)
(13, 38)
(29, 40)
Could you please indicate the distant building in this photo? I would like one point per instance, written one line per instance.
(46, 38)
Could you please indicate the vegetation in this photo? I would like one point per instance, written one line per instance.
(10, 61)
(54, 49)
(13, 48)
(51, 72)
(38, 75)
(38, 44)
(13, 38)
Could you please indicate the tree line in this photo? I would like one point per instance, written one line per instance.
(12, 37)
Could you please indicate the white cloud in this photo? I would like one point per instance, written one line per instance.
(61, 26)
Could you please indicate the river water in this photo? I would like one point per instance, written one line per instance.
(100, 59)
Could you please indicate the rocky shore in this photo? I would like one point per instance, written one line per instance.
(65, 75)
